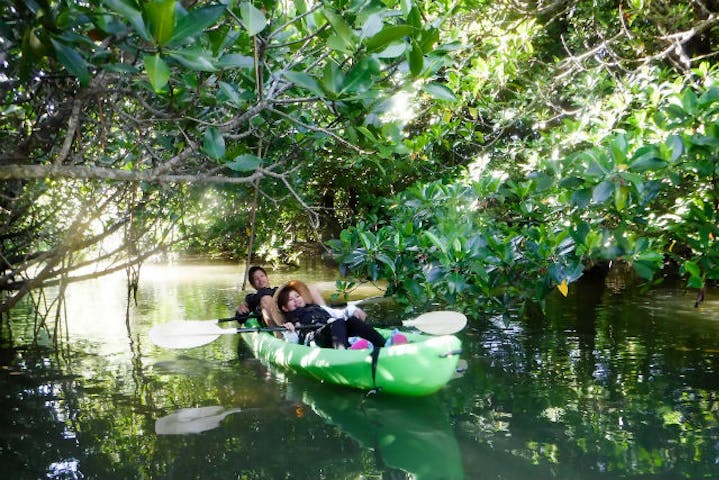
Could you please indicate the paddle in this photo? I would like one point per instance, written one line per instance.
(195, 333)
(440, 322)
(192, 420)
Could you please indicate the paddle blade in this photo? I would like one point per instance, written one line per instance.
(185, 334)
(442, 322)
(192, 420)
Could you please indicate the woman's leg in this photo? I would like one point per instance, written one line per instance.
(339, 334)
(358, 328)
(323, 337)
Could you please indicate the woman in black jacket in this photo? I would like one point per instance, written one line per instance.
(294, 305)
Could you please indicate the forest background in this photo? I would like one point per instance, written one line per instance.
(473, 153)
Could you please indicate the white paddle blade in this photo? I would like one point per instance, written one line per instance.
(192, 420)
(186, 334)
(442, 322)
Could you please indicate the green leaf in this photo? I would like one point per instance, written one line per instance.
(651, 256)
(602, 191)
(574, 272)
(647, 158)
(244, 163)
(305, 81)
(621, 194)
(131, 14)
(253, 19)
(333, 78)
(361, 77)
(618, 148)
(692, 268)
(372, 25)
(157, 71)
(580, 233)
(342, 29)
(676, 112)
(414, 18)
(644, 269)
(416, 59)
(335, 42)
(428, 38)
(213, 144)
(388, 35)
(436, 241)
(386, 260)
(695, 282)
(689, 100)
(228, 91)
(676, 145)
(236, 60)
(648, 163)
(394, 50)
(300, 6)
(365, 239)
(571, 182)
(195, 59)
(72, 61)
(161, 18)
(439, 92)
(196, 22)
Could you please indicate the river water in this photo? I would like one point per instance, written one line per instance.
(611, 384)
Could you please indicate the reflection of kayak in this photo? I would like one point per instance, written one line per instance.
(415, 437)
(420, 367)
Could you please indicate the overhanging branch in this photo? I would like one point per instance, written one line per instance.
(28, 172)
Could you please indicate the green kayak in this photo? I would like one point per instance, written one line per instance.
(420, 367)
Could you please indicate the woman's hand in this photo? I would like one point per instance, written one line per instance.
(243, 309)
(289, 326)
(359, 313)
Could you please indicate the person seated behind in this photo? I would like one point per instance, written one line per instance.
(260, 303)
(294, 305)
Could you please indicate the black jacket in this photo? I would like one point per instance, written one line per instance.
(253, 299)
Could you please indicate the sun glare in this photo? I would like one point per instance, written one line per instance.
(401, 108)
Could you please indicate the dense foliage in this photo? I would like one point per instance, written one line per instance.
(119, 117)
(519, 144)
(574, 161)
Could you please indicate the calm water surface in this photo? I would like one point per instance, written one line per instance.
(610, 385)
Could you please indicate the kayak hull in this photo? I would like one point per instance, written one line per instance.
(420, 367)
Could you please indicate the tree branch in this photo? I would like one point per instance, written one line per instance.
(27, 172)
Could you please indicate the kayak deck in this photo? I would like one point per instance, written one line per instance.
(420, 367)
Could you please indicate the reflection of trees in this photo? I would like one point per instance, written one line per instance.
(99, 420)
(616, 391)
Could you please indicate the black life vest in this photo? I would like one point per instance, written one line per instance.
(309, 314)
(253, 299)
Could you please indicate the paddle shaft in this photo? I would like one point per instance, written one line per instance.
(311, 326)
(239, 318)
(242, 317)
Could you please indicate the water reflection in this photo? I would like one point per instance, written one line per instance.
(629, 390)
(414, 436)
(183, 365)
(610, 384)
